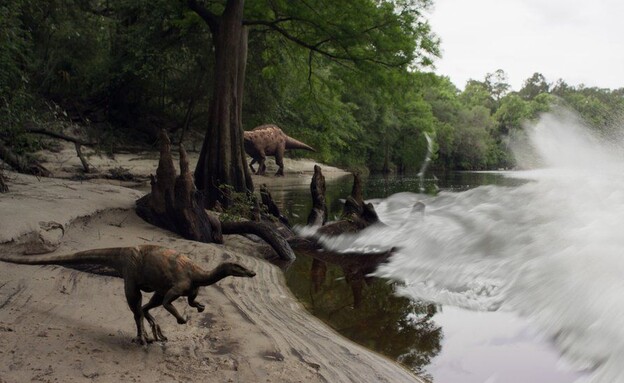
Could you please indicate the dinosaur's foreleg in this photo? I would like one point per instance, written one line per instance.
(171, 296)
(193, 303)
(279, 160)
(253, 161)
(134, 298)
(261, 164)
(155, 301)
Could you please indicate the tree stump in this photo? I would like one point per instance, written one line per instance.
(318, 213)
(173, 202)
(356, 215)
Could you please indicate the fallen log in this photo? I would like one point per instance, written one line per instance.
(78, 143)
(22, 164)
(269, 235)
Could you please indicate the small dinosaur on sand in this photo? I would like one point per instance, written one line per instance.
(269, 140)
(148, 268)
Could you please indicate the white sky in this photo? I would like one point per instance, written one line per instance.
(581, 42)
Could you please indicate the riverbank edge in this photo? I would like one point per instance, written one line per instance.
(263, 314)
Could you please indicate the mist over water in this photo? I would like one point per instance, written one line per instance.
(551, 250)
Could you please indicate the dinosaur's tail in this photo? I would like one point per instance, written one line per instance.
(106, 257)
(291, 143)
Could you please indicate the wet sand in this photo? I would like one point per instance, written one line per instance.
(63, 325)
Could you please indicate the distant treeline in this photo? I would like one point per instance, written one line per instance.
(128, 68)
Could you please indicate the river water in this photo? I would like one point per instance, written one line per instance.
(504, 277)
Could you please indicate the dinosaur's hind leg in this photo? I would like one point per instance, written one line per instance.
(155, 301)
(134, 298)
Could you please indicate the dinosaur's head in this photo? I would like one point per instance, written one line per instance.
(236, 270)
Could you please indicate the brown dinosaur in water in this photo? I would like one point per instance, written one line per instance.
(269, 140)
(148, 268)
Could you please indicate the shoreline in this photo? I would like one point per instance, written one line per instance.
(62, 324)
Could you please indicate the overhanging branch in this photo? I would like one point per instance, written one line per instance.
(317, 47)
(210, 18)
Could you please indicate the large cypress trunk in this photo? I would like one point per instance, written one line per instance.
(222, 160)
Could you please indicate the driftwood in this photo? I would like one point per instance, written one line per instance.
(32, 129)
(22, 164)
(77, 142)
(265, 231)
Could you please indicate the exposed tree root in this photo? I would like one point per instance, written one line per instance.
(174, 205)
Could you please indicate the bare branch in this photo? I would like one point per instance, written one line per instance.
(210, 18)
(30, 129)
(265, 22)
(347, 55)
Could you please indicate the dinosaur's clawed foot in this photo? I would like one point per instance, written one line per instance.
(181, 320)
(158, 335)
(141, 340)
(200, 308)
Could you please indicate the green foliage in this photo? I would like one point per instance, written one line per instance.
(241, 207)
(15, 99)
(534, 86)
(345, 77)
(512, 112)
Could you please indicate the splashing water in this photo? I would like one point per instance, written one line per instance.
(551, 249)
(425, 164)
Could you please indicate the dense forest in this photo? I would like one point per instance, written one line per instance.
(353, 79)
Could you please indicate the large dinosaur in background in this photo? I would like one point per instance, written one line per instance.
(148, 268)
(269, 140)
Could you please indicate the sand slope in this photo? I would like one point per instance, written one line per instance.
(62, 325)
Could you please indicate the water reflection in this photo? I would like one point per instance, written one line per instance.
(338, 289)
(365, 309)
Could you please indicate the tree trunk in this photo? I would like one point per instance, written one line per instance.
(222, 160)
(3, 186)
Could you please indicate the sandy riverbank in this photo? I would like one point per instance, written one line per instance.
(62, 325)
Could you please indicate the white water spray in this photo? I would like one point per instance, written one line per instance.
(551, 249)
(425, 164)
